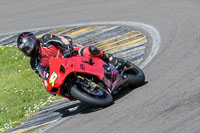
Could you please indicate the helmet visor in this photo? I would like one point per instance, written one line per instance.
(29, 47)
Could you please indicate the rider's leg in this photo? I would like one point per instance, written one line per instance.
(92, 51)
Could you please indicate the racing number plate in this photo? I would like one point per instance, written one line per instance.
(53, 78)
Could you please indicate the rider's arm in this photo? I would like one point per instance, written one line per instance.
(62, 41)
(33, 63)
(37, 67)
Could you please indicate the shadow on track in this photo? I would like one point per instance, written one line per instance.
(84, 108)
(119, 95)
(63, 109)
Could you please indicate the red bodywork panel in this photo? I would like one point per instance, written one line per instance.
(73, 64)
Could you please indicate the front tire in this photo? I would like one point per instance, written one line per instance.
(78, 92)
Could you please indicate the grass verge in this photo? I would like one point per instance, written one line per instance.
(21, 90)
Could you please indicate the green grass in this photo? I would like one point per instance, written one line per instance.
(21, 90)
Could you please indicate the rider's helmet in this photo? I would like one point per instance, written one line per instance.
(27, 43)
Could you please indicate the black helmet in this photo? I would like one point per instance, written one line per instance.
(27, 43)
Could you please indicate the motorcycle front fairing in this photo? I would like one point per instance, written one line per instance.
(60, 68)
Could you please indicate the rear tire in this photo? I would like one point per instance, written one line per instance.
(77, 92)
(136, 76)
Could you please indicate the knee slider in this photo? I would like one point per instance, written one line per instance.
(94, 50)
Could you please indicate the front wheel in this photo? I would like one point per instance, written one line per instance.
(91, 94)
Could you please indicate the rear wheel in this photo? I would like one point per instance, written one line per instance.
(136, 76)
(91, 93)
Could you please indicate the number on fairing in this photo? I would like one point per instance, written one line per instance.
(53, 78)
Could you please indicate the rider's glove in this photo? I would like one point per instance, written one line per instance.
(68, 51)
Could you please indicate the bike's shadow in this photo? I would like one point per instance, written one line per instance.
(63, 109)
(119, 95)
(84, 108)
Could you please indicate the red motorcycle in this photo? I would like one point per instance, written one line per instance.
(90, 80)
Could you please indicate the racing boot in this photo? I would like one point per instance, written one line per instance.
(116, 62)
(94, 51)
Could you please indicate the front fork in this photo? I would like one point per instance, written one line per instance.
(89, 86)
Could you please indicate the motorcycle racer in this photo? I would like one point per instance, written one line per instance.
(41, 49)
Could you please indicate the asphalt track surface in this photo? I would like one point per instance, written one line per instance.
(170, 101)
